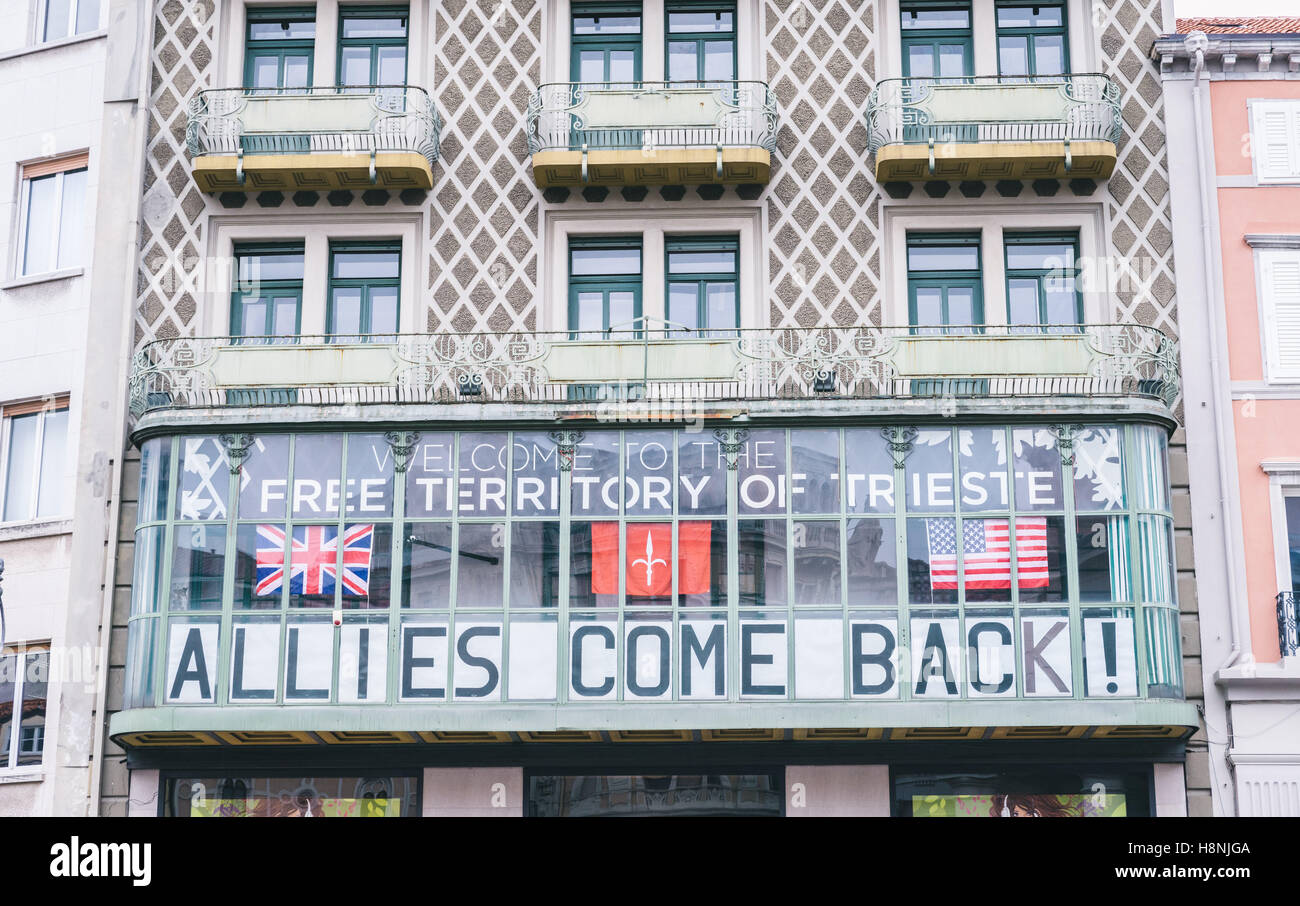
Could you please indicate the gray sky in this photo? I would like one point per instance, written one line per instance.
(1237, 7)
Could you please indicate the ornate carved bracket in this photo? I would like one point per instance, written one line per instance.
(900, 442)
(236, 446)
(731, 440)
(1064, 435)
(566, 443)
(402, 443)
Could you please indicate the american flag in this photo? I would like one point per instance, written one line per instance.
(313, 561)
(987, 552)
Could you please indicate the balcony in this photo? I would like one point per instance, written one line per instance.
(313, 139)
(651, 133)
(991, 128)
(1094, 364)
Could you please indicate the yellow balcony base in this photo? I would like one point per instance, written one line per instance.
(661, 167)
(995, 160)
(395, 170)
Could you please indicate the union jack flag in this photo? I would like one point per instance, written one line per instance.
(986, 552)
(313, 561)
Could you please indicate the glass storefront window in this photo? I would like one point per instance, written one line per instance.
(718, 795)
(979, 543)
(1038, 792)
(291, 797)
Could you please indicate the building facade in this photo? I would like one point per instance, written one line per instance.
(62, 380)
(1233, 91)
(585, 408)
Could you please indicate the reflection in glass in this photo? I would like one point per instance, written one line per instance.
(198, 567)
(480, 565)
(762, 547)
(535, 564)
(31, 722)
(1102, 543)
(816, 548)
(426, 565)
(872, 562)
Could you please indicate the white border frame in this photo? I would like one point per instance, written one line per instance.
(316, 235)
(992, 222)
(652, 224)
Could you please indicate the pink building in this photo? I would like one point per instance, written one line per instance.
(1232, 90)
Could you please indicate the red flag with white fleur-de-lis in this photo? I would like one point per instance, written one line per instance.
(650, 558)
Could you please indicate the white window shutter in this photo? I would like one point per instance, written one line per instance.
(1277, 140)
(1280, 270)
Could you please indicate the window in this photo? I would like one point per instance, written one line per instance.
(53, 199)
(1292, 503)
(267, 300)
(1031, 38)
(24, 689)
(703, 291)
(701, 42)
(364, 287)
(982, 532)
(65, 18)
(712, 795)
(33, 451)
(372, 45)
(604, 285)
(1279, 273)
(1275, 127)
(1043, 282)
(937, 40)
(943, 283)
(292, 797)
(279, 48)
(606, 43)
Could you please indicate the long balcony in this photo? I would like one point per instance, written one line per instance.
(651, 133)
(997, 365)
(251, 140)
(991, 128)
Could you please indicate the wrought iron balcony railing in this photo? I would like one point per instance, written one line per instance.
(1288, 623)
(339, 120)
(1111, 360)
(1005, 109)
(571, 116)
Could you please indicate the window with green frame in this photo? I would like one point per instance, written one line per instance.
(267, 297)
(700, 41)
(703, 275)
(605, 43)
(372, 45)
(279, 47)
(1043, 282)
(604, 285)
(364, 288)
(1032, 38)
(944, 291)
(936, 38)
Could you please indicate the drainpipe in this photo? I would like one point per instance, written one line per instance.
(1196, 45)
